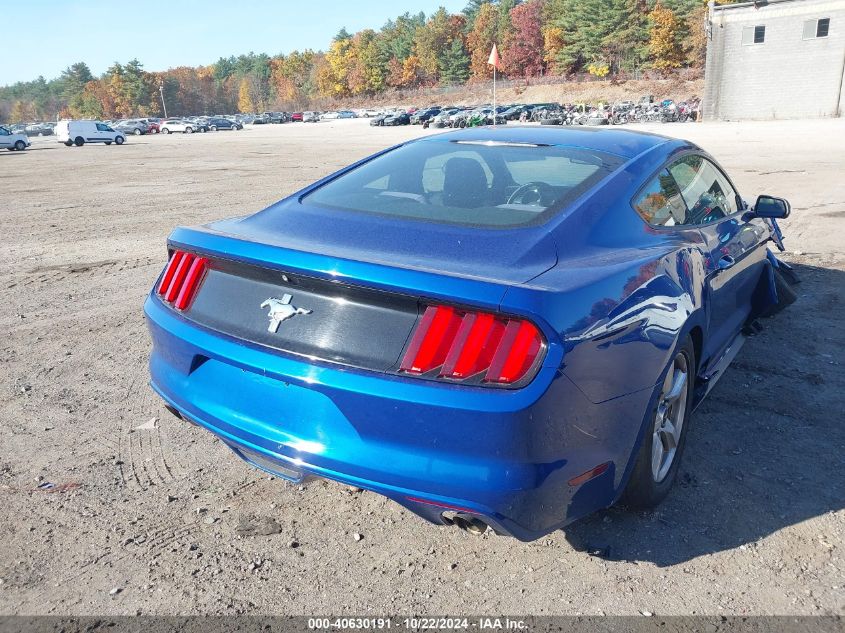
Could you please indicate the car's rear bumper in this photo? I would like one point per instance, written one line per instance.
(507, 456)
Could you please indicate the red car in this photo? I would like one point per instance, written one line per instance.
(296, 117)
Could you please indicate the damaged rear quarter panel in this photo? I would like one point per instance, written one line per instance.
(622, 293)
(619, 316)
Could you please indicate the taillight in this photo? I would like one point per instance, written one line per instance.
(182, 278)
(454, 344)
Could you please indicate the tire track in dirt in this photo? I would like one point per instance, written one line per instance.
(58, 273)
(152, 541)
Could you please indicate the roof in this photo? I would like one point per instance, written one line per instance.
(622, 142)
(755, 4)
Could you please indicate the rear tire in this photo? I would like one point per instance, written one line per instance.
(79, 141)
(213, 128)
(189, 130)
(662, 447)
(137, 131)
(108, 142)
(68, 143)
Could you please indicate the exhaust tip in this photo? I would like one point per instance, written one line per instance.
(176, 412)
(466, 522)
(472, 525)
(173, 410)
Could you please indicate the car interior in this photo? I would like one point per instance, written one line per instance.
(466, 183)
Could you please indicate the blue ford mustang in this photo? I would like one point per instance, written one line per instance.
(504, 328)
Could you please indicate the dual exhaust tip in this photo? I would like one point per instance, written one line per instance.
(466, 522)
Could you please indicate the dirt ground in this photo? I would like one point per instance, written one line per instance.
(566, 92)
(110, 505)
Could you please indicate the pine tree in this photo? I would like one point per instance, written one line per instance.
(454, 64)
(74, 78)
(599, 32)
(472, 9)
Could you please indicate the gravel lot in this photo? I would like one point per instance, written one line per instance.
(103, 511)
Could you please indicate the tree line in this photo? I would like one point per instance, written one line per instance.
(534, 37)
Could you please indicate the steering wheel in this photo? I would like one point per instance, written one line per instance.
(535, 192)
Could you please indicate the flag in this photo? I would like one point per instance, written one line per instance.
(494, 60)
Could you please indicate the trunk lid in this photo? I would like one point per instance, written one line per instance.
(350, 290)
(508, 256)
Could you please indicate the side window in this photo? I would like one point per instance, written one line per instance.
(102, 127)
(660, 203)
(707, 193)
(4, 132)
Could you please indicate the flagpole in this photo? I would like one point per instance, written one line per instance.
(493, 60)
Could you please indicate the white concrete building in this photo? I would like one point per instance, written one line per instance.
(775, 59)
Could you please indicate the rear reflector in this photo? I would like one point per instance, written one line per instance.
(462, 344)
(590, 474)
(439, 504)
(182, 278)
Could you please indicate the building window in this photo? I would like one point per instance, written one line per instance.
(823, 27)
(753, 35)
(816, 28)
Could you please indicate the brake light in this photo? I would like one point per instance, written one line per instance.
(182, 278)
(461, 344)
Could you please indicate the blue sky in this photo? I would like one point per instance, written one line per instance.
(162, 34)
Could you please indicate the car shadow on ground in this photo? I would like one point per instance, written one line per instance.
(764, 451)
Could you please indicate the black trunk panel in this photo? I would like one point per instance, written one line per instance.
(349, 325)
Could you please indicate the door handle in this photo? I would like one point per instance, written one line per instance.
(726, 261)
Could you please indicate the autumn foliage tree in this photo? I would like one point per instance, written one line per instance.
(696, 36)
(524, 50)
(333, 80)
(245, 102)
(603, 37)
(480, 41)
(663, 45)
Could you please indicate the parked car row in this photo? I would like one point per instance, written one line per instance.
(441, 116)
(38, 128)
(80, 132)
(647, 109)
(15, 137)
(188, 125)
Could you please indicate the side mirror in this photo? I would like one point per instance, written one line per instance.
(771, 207)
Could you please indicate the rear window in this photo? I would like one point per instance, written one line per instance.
(468, 183)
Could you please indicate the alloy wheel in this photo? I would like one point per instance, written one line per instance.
(669, 419)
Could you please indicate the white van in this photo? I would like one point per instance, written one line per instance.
(81, 132)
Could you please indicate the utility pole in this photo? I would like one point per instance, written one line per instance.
(161, 91)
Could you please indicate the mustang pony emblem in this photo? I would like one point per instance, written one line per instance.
(281, 309)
